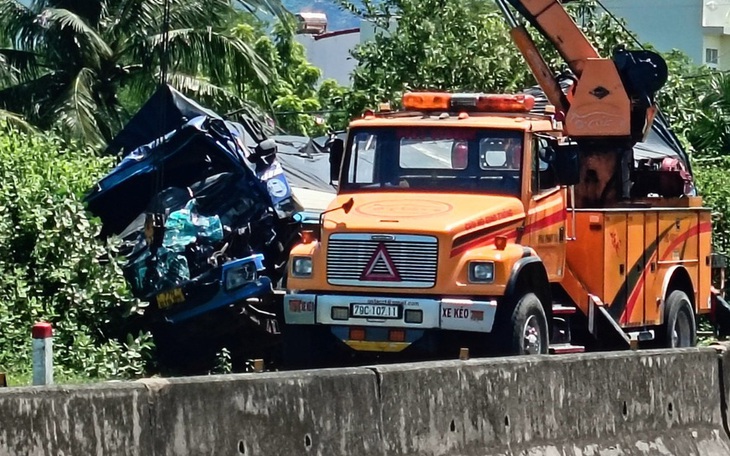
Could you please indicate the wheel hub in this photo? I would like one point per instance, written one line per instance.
(531, 337)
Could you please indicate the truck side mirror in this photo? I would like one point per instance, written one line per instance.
(337, 148)
(566, 163)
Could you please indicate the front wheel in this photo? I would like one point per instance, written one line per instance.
(679, 328)
(526, 331)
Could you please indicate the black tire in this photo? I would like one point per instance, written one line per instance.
(679, 328)
(526, 329)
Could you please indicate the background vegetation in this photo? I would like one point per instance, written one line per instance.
(73, 71)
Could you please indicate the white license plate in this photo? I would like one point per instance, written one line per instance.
(374, 311)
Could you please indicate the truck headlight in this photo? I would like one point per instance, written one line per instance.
(239, 276)
(301, 267)
(481, 271)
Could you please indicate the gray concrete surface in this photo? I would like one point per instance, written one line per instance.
(629, 403)
(327, 412)
(107, 419)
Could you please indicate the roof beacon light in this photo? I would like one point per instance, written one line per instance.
(480, 102)
(487, 102)
(427, 101)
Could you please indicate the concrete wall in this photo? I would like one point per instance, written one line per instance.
(634, 403)
(108, 419)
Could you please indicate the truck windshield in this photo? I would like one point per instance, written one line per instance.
(433, 159)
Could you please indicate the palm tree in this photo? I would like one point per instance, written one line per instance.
(710, 135)
(70, 64)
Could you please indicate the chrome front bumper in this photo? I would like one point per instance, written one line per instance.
(448, 314)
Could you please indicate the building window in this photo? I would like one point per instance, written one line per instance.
(711, 56)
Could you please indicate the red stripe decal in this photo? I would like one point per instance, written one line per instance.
(511, 233)
(703, 227)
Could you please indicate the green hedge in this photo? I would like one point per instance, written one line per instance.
(53, 267)
(713, 183)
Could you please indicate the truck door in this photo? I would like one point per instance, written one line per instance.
(652, 286)
(546, 216)
(635, 263)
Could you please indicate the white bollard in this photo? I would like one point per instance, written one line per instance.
(42, 354)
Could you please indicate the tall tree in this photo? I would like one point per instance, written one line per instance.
(71, 61)
(710, 134)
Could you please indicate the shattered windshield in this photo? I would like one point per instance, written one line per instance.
(434, 159)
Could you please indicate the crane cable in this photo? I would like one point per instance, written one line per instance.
(620, 24)
(164, 63)
(156, 219)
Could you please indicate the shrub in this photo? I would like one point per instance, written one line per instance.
(54, 268)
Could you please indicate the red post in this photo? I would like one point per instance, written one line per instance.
(42, 353)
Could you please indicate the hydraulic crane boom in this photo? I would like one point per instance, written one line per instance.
(612, 98)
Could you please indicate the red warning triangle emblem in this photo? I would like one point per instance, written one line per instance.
(381, 267)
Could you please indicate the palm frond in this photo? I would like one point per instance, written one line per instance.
(130, 18)
(33, 96)
(77, 112)
(15, 121)
(63, 19)
(199, 87)
(221, 56)
(18, 23)
(19, 65)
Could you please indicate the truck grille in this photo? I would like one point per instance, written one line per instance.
(399, 261)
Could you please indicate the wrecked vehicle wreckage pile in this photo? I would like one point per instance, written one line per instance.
(207, 216)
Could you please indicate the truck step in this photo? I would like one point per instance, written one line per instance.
(559, 309)
(562, 349)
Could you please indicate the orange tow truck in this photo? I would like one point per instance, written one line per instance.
(555, 220)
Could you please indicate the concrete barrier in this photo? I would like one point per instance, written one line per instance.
(723, 349)
(643, 403)
(327, 412)
(109, 419)
(629, 403)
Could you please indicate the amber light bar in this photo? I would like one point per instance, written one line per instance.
(479, 102)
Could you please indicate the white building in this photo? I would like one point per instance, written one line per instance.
(699, 28)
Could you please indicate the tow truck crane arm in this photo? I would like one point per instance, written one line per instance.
(612, 98)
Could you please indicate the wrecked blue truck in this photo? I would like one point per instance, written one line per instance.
(206, 217)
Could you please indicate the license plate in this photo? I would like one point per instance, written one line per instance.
(375, 311)
(169, 298)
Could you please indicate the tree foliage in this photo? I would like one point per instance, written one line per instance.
(458, 45)
(67, 61)
(710, 134)
(291, 92)
(51, 265)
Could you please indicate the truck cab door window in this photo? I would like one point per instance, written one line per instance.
(543, 175)
(362, 162)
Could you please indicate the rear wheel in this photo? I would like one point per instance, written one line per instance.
(526, 330)
(679, 328)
